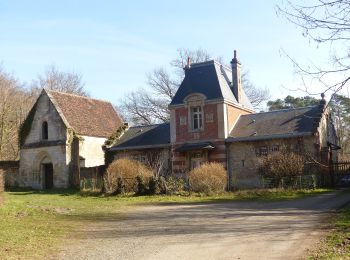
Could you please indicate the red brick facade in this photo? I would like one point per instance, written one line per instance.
(214, 121)
(210, 127)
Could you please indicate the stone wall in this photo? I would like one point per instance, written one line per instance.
(31, 166)
(9, 174)
(244, 158)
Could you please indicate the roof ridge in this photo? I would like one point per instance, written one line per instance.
(209, 62)
(280, 110)
(139, 126)
(76, 95)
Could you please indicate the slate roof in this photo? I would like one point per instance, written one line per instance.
(277, 124)
(211, 79)
(143, 137)
(87, 116)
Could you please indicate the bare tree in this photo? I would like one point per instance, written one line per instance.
(53, 79)
(151, 106)
(15, 103)
(325, 22)
(257, 96)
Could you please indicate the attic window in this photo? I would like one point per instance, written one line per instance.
(45, 131)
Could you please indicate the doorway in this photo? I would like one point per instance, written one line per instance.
(48, 175)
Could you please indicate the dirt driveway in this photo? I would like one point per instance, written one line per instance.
(232, 230)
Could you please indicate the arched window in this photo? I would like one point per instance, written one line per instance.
(45, 131)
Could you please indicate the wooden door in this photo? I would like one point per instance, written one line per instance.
(48, 171)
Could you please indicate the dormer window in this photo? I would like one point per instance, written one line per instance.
(44, 131)
(197, 118)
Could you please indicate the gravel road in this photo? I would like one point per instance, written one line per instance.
(230, 230)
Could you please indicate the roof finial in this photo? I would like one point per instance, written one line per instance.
(322, 96)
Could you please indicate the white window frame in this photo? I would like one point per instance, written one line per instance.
(196, 118)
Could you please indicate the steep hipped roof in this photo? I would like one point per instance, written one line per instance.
(211, 79)
(277, 124)
(87, 116)
(143, 137)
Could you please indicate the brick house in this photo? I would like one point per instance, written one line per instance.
(62, 133)
(212, 120)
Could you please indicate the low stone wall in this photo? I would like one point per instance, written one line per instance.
(9, 174)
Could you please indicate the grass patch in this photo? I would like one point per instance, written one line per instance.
(34, 222)
(337, 243)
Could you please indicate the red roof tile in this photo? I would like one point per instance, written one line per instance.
(87, 116)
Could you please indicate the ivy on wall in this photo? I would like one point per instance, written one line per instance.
(115, 136)
(109, 156)
(26, 125)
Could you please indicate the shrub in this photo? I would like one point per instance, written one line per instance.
(174, 185)
(208, 178)
(157, 186)
(282, 164)
(121, 176)
(283, 168)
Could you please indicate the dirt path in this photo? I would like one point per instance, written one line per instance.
(234, 230)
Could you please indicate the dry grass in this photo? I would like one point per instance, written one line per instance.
(209, 178)
(126, 170)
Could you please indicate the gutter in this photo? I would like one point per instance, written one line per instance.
(140, 147)
(266, 137)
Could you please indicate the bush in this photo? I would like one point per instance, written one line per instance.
(282, 164)
(209, 178)
(121, 176)
(174, 185)
(284, 168)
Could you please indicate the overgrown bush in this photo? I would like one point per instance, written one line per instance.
(124, 175)
(282, 164)
(209, 178)
(281, 167)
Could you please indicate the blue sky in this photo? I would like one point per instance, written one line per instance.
(113, 44)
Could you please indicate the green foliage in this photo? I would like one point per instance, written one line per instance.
(115, 136)
(140, 186)
(340, 107)
(292, 102)
(26, 125)
(337, 243)
(175, 185)
(109, 156)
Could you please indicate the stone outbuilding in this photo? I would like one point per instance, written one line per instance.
(62, 133)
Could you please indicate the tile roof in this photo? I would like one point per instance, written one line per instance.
(277, 124)
(143, 137)
(211, 79)
(87, 116)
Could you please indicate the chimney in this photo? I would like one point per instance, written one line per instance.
(188, 65)
(236, 77)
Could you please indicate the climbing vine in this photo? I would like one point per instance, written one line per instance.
(26, 125)
(115, 136)
(109, 156)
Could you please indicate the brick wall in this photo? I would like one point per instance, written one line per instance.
(210, 130)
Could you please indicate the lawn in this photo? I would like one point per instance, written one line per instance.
(33, 223)
(336, 245)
